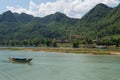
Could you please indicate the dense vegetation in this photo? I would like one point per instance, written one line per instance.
(99, 23)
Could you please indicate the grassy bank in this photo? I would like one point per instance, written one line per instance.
(69, 50)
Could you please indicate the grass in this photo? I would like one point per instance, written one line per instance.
(69, 50)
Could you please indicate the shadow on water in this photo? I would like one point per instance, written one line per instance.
(28, 63)
(7, 61)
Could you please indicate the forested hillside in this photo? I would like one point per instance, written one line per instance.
(99, 22)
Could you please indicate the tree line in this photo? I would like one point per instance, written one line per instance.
(29, 43)
(53, 43)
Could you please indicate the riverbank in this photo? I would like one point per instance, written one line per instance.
(68, 50)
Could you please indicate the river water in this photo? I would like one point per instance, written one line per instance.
(59, 66)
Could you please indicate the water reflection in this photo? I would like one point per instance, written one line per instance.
(28, 63)
(8, 61)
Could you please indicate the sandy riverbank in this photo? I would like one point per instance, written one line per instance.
(68, 50)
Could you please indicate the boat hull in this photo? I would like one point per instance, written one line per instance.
(23, 60)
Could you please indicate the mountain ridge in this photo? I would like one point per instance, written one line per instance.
(100, 21)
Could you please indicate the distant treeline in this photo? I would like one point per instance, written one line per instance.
(29, 43)
(55, 43)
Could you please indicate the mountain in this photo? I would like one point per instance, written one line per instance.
(24, 18)
(110, 25)
(13, 25)
(58, 18)
(0, 16)
(114, 16)
(8, 17)
(99, 12)
(100, 21)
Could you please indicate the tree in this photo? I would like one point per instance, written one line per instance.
(75, 43)
(55, 44)
(116, 41)
(48, 43)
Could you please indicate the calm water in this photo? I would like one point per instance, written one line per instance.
(59, 66)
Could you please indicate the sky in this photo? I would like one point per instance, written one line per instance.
(41, 8)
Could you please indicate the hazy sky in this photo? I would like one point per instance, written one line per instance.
(41, 8)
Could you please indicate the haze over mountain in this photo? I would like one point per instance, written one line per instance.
(101, 21)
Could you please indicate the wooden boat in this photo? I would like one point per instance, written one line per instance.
(23, 60)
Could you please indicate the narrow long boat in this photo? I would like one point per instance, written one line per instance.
(24, 60)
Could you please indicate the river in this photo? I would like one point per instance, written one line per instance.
(59, 66)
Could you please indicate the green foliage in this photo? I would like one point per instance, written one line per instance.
(116, 41)
(55, 44)
(75, 43)
(96, 14)
(109, 41)
(99, 22)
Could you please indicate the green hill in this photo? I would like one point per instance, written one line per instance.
(95, 15)
(101, 21)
